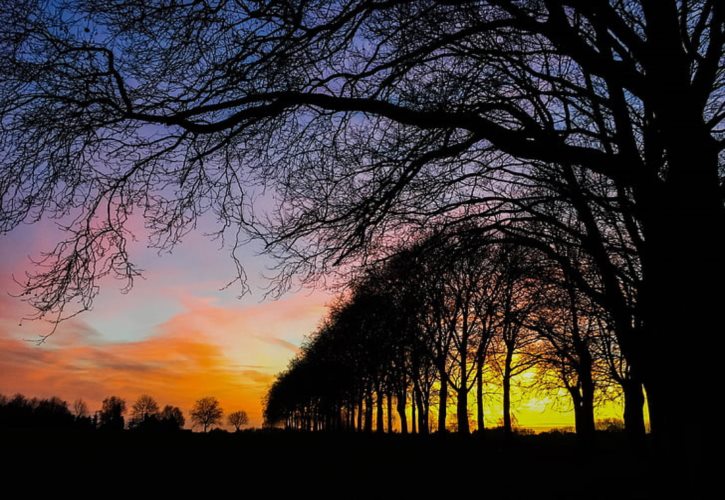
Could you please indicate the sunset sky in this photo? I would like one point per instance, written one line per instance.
(176, 336)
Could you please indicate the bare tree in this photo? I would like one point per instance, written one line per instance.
(80, 408)
(143, 409)
(206, 412)
(513, 340)
(238, 419)
(570, 330)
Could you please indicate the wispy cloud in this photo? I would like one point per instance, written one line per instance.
(206, 349)
(280, 342)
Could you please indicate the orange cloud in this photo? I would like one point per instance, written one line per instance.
(231, 353)
(174, 370)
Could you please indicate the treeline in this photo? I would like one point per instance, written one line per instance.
(19, 412)
(438, 325)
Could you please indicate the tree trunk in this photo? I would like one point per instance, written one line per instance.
(479, 398)
(634, 411)
(422, 414)
(507, 428)
(369, 411)
(681, 303)
(462, 410)
(462, 393)
(379, 421)
(401, 401)
(390, 411)
(683, 262)
(442, 404)
(576, 399)
(585, 428)
(583, 403)
(360, 415)
(413, 406)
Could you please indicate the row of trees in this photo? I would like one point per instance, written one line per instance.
(145, 415)
(449, 317)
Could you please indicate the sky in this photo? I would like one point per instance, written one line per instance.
(177, 336)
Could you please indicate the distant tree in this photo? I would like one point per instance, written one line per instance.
(111, 414)
(80, 408)
(21, 412)
(207, 412)
(238, 419)
(50, 413)
(144, 410)
(16, 411)
(171, 418)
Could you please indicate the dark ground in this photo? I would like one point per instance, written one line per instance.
(276, 463)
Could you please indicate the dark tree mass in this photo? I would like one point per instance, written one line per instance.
(450, 314)
(572, 150)
(19, 412)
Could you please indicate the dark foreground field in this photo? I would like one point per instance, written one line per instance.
(337, 465)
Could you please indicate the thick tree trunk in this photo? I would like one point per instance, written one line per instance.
(583, 414)
(634, 411)
(369, 412)
(682, 302)
(442, 404)
(585, 427)
(462, 411)
(683, 263)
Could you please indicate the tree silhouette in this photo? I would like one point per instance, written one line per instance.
(206, 412)
(111, 414)
(620, 371)
(80, 408)
(570, 330)
(52, 413)
(374, 119)
(238, 419)
(171, 418)
(143, 411)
